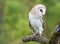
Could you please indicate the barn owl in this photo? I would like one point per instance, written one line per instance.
(35, 19)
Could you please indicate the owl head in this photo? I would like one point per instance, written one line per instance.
(39, 10)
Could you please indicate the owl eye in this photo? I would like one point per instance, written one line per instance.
(41, 10)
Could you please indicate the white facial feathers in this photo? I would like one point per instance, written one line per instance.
(39, 10)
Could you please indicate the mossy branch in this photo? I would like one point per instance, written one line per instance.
(55, 39)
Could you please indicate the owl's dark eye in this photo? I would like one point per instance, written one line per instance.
(41, 10)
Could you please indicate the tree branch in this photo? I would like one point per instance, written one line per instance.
(55, 39)
(40, 39)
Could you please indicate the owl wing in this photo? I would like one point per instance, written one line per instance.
(31, 27)
(43, 22)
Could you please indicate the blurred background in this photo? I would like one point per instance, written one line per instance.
(14, 19)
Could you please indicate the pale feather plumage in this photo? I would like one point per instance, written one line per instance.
(35, 18)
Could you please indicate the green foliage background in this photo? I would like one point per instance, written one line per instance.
(15, 18)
